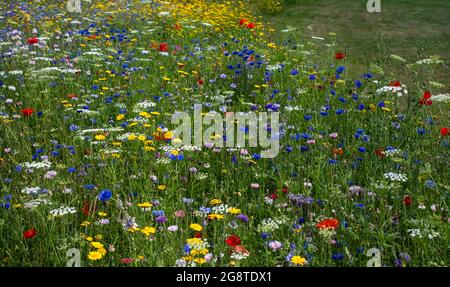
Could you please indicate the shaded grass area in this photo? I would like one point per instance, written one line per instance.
(413, 30)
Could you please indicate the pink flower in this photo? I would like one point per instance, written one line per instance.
(311, 141)
(254, 185)
(126, 260)
(50, 174)
(180, 213)
(244, 152)
(172, 228)
(333, 135)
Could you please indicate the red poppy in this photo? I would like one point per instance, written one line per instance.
(32, 41)
(163, 47)
(380, 152)
(27, 112)
(233, 240)
(243, 21)
(284, 190)
(273, 196)
(87, 209)
(340, 56)
(332, 223)
(198, 235)
(30, 233)
(177, 26)
(251, 25)
(407, 200)
(200, 82)
(444, 132)
(395, 84)
(425, 100)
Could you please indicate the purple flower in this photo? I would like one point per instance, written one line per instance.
(242, 217)
(161, 219)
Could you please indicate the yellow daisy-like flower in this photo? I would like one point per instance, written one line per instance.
(194, 241)
(196, 227)
(145, 204)
(95, 255)
(234, 210)
(161, 187)
(200, 260)
(96, 244)
(148, 230)
(120, 117)
(215, 201)
(89, 238)
(213, 216)
(102, 214)
(298, 260)
(100, 137)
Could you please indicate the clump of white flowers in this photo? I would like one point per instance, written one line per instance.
(392, 176)
(220, 209)
(271, 224)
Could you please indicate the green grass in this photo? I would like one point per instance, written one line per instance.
(411, 29)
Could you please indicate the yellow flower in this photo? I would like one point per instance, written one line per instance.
(96, 244)
(298, 260)
(168, 135)
(200, 260)
(145, 204)
(149, 148)
(213, 216)
(100, 137)
(95, 255)
(102, 214)
(194, 241)
(148, 230)
(196, 227)
(215, 201)
(161, 187)
(234, 210)
(98, 237)
(120, 117)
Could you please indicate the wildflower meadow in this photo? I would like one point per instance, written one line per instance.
(199, 133)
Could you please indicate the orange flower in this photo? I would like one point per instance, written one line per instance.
(328, 223)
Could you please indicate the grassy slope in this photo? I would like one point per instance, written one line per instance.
(412, 29)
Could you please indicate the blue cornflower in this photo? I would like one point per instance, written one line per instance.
(105, 195)
(340, 69)
(73, 127)
(429, 183)
(421, 131)
(337, 256)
